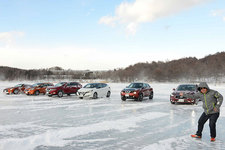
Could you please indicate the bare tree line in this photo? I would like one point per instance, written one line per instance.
(185, 69)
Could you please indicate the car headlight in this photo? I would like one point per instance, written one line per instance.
(135, 92)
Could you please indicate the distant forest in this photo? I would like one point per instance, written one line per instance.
(210, 68)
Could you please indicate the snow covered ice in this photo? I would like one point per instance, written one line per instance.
(52, 123)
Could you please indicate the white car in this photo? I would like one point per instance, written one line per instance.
(94, 90)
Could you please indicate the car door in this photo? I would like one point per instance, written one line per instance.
(99, 89)
(145, 89)
(104, 89)
(66, 88)
(148, 89)
(43, 87)
(74, 87)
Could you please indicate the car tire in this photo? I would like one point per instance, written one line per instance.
(95, 95)
(108, 94)
(37, 92)
(81, 97)
(140, 97)
(49, 95)
(68, 94)
(15, 91)
(151, 95)
(123, 98)
(60, 94)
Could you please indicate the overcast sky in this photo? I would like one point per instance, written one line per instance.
(107, 34)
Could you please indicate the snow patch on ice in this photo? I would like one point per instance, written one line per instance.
(56, 137)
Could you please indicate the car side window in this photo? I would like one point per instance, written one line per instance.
(144, 86)
(103, 85)
(99, 85)
(73, 84)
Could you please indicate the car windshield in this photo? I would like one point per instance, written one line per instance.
(60, 84)
(135, 85)
(36, 84)
(186, 88)
(18, 85)
(91, 85)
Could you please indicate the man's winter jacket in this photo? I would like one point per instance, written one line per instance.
(210, 100)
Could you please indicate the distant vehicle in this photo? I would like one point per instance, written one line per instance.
(185, 88)
(94, 90)
(19, 88)
(62, 88)
(137, 91)
(37, 88)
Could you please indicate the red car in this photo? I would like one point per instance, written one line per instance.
(64, 88)
(185, 88)
(137, 91)
(16, 89)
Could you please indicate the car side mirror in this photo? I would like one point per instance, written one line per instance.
(173, 89)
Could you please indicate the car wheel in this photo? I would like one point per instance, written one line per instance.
(151, 95)
(60, 94)
(15, 91)
(108, 94)
(95, 96)
(140, 98)
(68, 94)
(123, 98)
(36, 92)
(81, 97)
(49, 95)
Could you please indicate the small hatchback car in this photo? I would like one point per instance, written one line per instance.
(185, 88)
(19, 88)
(37, 88)
(94, 90)
(137, 91)
(62, 88)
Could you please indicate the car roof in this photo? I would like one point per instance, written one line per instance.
(187, 84)
(140, 82)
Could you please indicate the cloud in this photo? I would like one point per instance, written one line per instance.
(131, 14)
(7, 38)
(219, 12)
(75, 57)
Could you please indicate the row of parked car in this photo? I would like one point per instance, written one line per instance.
(137, 90)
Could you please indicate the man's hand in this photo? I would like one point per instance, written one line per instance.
(181, 94)
(215, 109)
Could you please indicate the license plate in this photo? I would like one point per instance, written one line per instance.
(181, 100)
(126, 94)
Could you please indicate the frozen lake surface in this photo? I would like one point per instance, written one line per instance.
(52, 123)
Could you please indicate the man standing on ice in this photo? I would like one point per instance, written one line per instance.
(211, 102)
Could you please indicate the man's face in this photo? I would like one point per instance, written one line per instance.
(203, 90)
